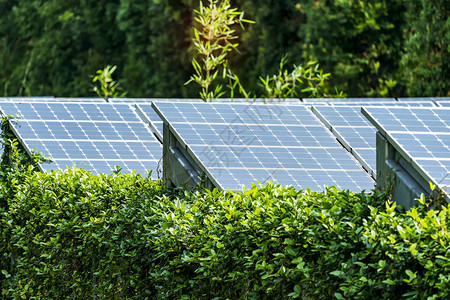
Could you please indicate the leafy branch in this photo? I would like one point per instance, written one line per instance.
(105, 86)
(214, 38)
(306, 78)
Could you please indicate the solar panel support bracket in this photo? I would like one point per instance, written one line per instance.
(391, 167)
(178, 169)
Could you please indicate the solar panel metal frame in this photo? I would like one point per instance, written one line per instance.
(406, 156)
(150, 100)
(258, 100)
(79, 99)
(425, 103)
(198, 162)
(332, 100)
(420, 99)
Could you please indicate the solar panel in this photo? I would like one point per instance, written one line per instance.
(237, 144)
(353, 130)
(443, 103)
(421, 135)
(149, 114)
(95, 136)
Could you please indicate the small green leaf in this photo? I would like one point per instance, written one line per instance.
(337, 273)
(7, 275)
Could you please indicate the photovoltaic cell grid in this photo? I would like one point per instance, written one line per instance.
(443, 103)
(237, 144)
(422, 136)
(95, 137)
(353, 130)
(148, 113)
(155, 122)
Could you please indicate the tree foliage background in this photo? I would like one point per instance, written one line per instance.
(372, 48)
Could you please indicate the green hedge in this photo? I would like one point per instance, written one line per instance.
(75, 235)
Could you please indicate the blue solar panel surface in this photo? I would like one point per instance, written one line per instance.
(421, 134)
(238, 144)
(93, 136)
(353, 130)
(190, 113)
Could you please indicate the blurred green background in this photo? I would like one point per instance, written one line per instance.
(371, 48)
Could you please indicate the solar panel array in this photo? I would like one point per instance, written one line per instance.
(94, 136)
(422, 135)
(234, 142)
(237, 144)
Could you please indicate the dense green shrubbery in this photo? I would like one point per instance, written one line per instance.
(72, 234)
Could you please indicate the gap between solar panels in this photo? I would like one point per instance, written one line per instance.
(232, 145)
